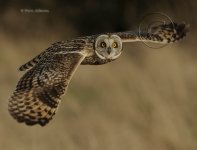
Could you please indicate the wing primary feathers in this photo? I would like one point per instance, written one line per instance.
(38, 93)
(164, 33)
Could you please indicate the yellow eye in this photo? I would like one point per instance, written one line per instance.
(103, 44)
(115, 45)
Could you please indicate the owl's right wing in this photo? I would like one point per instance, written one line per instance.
(163, 34)
(38, 92)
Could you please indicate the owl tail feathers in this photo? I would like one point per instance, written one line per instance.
(30, 111)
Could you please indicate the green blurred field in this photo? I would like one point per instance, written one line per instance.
(145, 100)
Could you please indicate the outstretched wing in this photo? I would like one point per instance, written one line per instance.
(38, 92)
(68, 46)
(164, 33)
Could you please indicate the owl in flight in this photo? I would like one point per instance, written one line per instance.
(38, 93)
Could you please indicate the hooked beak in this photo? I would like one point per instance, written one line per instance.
(108, 50)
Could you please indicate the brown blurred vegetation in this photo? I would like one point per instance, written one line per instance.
(146, 100)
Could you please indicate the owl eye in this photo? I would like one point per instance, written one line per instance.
(115, 45)
(103, 44)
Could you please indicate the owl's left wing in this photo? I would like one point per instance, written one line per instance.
(38, 92)
(164, 33)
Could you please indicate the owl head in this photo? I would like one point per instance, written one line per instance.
(108, 46)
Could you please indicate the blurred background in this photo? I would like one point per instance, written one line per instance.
(145, 100)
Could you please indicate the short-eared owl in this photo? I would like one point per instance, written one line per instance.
(38, 93)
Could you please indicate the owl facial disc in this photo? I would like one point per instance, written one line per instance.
(108, 46)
